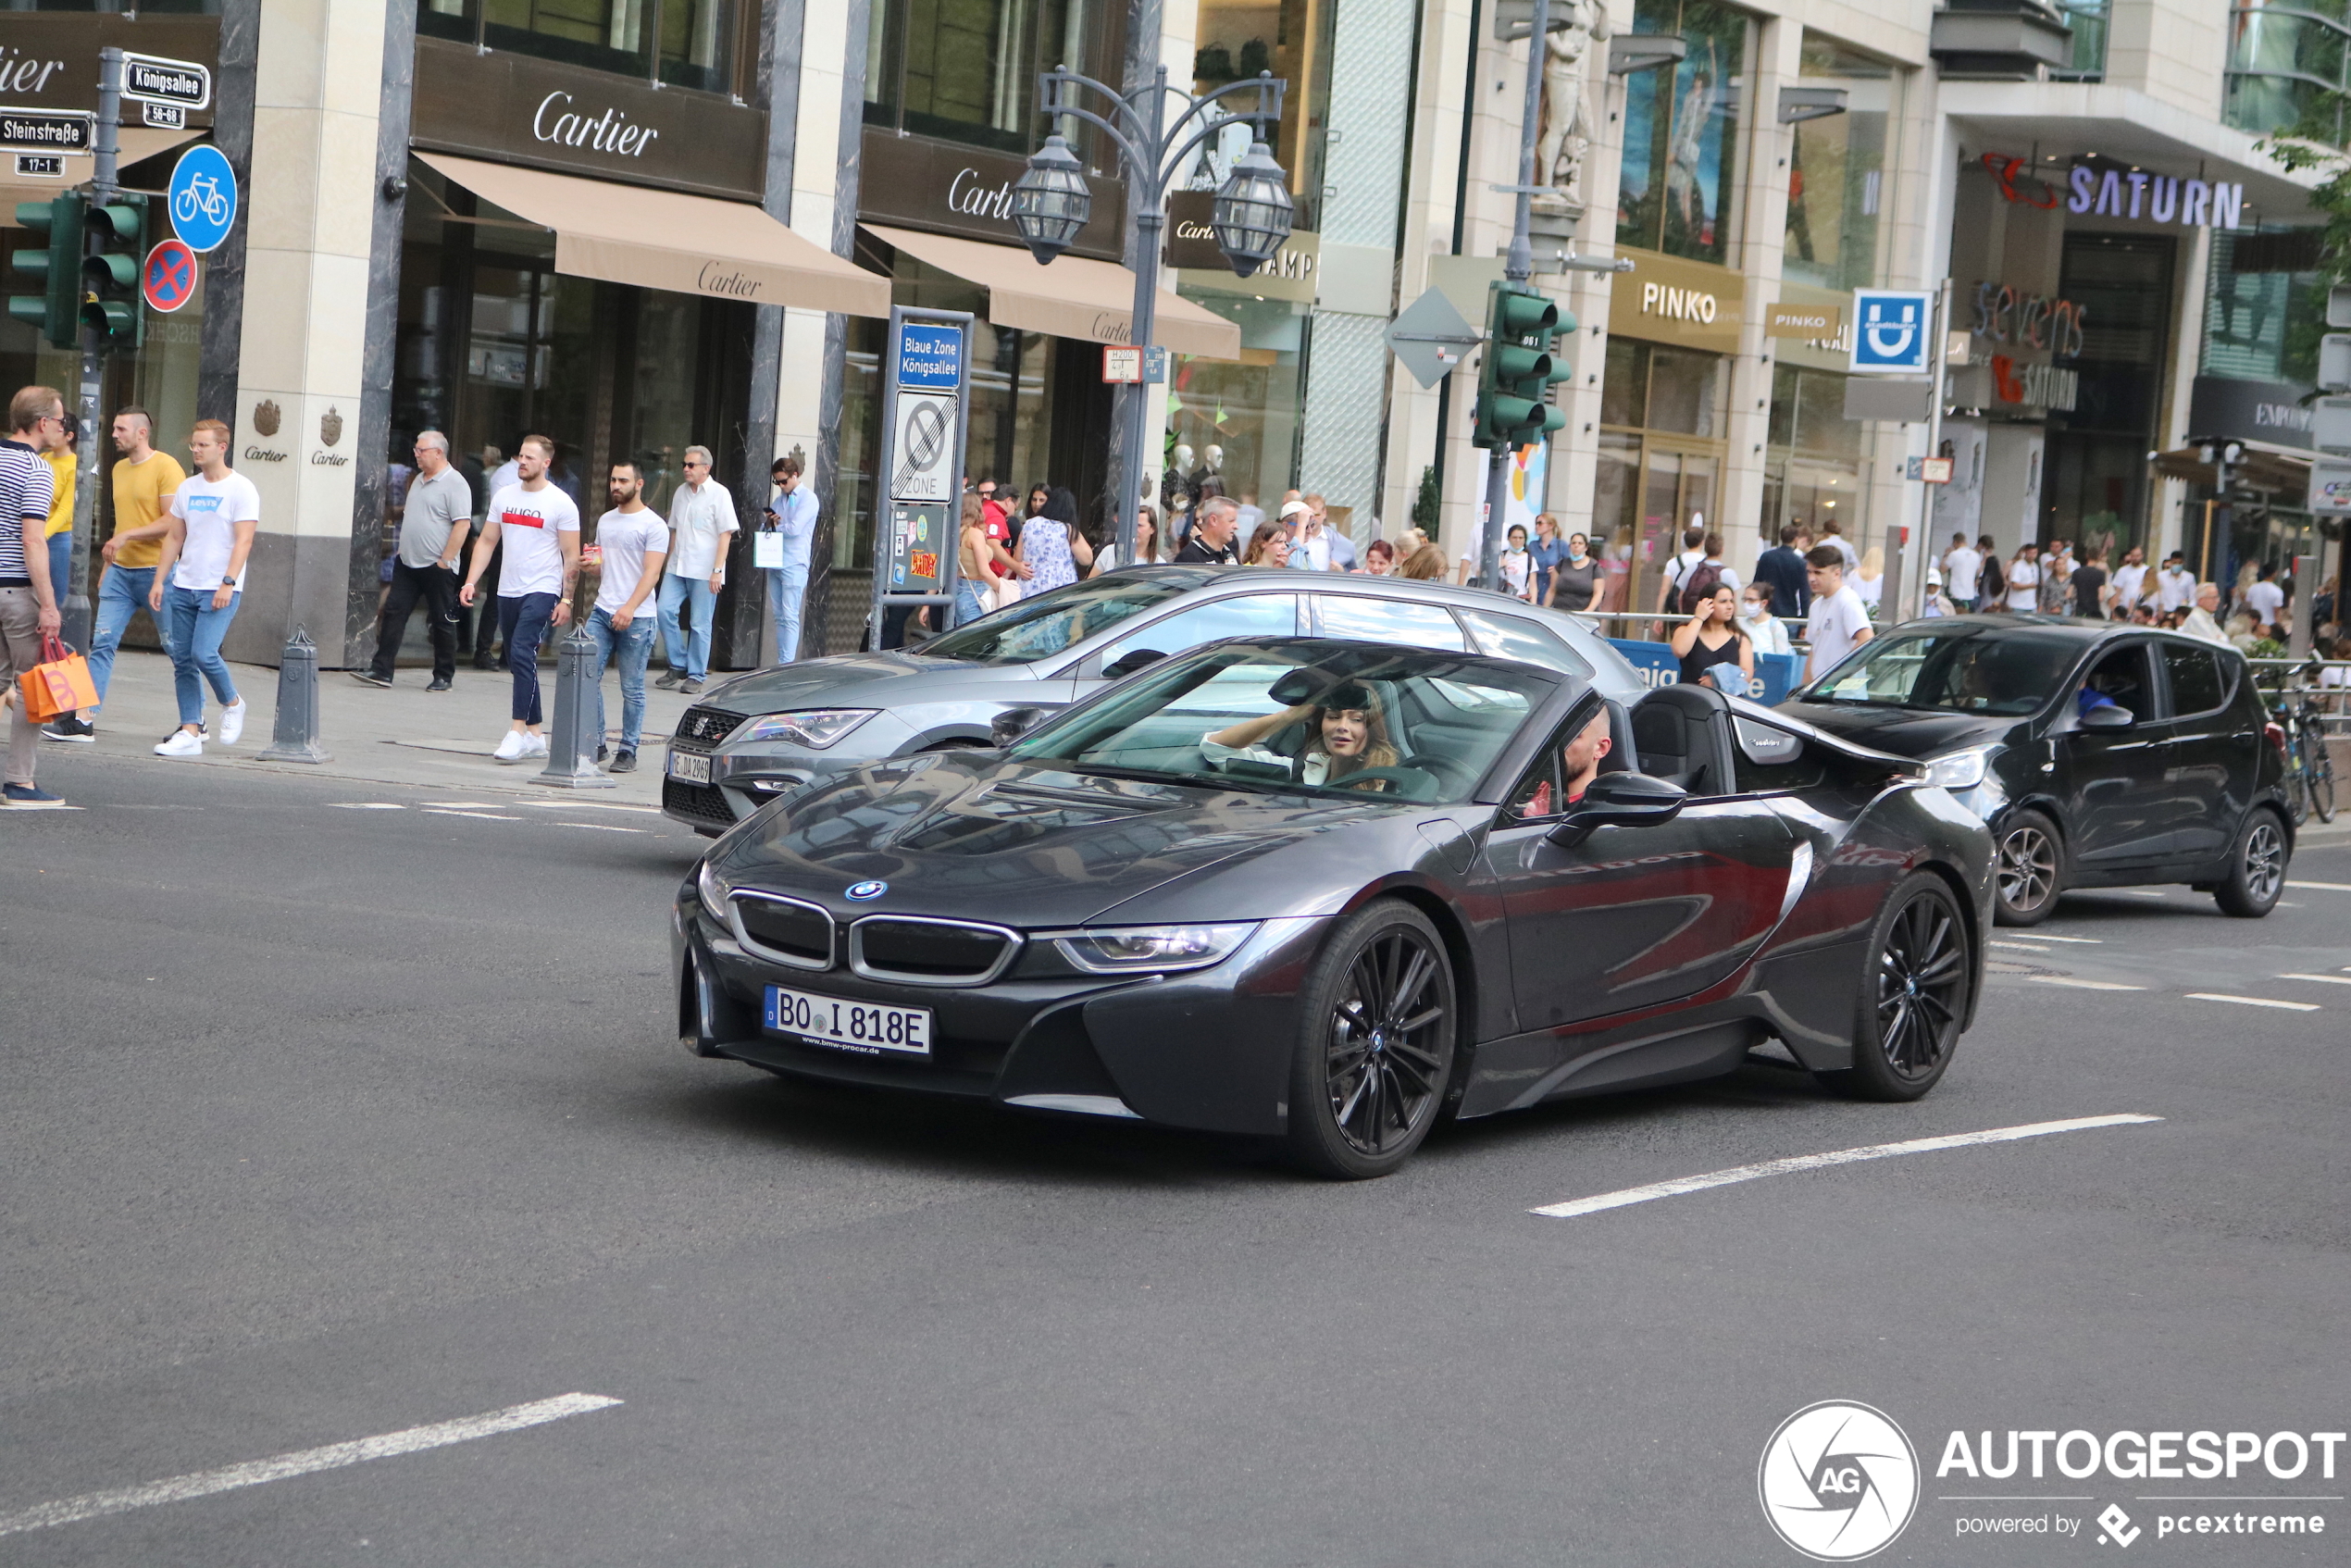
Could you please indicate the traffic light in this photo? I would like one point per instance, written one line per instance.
(118, 247)
(1515, 382)
(57, 270)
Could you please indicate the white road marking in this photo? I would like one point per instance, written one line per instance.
(2021, 947)
(1839, 1157)
(203, 1483)
(595, 826)
(367, 806)
(593, 805)
(2323, 980)
(2321, 886)
(2086, 941)
(2083, 985)
(481, 816)
(2254, 1001)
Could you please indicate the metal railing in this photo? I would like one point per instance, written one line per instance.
(2326, 682)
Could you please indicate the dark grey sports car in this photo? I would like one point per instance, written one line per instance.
(1334, 892)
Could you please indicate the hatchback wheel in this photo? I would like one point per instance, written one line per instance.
(2031, 870)
(1914, 996)
(2257, 868)
(1376, 1047)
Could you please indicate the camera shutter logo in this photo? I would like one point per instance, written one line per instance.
(1838, 1481)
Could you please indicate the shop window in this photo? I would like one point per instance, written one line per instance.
(1684, 151)
(1236, 422)
(966, 71)
(691, 43)
(1236, 39)
(2265, 307)
(1837, 169)
(1812, 464)
(1652, 386)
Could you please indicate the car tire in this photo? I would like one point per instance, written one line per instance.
(1376, 1043)
(1914, 994)
(2028, 869)
(2257, 867)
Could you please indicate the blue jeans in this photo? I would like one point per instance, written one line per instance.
(634, 644)
(121, 591)
(523, 619)
(691, 660)
(787, 587)
(969, 606)
(61, 565)
(193, 635)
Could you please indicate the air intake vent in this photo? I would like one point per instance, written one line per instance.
(930, 953)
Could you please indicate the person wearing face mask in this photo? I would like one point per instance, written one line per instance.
(1763, 629)
(1576, 578)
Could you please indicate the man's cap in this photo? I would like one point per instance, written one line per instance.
(1297, 509)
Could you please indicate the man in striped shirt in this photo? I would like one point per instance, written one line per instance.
(27, 599)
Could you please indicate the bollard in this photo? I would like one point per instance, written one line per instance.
(572, 739)
(294, 737)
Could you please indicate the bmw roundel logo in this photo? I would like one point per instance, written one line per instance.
(861, 892)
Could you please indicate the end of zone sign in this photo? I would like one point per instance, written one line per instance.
(930, 358)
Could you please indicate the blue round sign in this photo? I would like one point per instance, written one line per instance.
(203, 198)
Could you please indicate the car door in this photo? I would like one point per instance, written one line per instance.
(2114, 780)
(1631, 917)
(2214, 747)
(1237, 615)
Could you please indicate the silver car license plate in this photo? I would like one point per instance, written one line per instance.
(866, 1028)
(690, 767)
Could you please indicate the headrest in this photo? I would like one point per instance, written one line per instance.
(1320, 688)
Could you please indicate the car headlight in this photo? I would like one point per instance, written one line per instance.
(713, 893)
(1152, 949)
(816, 729)
(1961, 770)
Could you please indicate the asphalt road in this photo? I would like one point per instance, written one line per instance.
(322, 1122)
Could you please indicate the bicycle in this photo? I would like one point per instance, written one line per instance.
(2309, 768)
(203, 196)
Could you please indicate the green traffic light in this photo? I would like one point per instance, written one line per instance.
(55, 268)
(110, 268)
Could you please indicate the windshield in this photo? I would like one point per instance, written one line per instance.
(1976, 670)
(1031, 629)
(1303, 715)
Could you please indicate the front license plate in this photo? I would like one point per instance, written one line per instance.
(863, 1026)
(691, 767)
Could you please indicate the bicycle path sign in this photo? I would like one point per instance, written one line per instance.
(203, 197)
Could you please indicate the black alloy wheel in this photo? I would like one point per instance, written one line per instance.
(1376, 1050)
(1914, 998)
(2030, 870)
(2257, 868)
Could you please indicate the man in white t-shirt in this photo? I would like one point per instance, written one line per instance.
(1960, 564)
(2130, 582)
(1678, 569)
(1839, 622)
(701, 516)
(539, 528)
(198, 580)
(633, 541)
(2174, 585)
(2266, 600)
(2024, 579)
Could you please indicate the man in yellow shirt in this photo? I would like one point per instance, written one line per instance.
(60, 455)
(145, 480)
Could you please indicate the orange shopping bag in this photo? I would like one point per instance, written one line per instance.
(60, 684)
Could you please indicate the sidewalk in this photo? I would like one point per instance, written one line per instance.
(401, 736)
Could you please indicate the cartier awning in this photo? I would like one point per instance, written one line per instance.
(669, 240)
(1072, 298)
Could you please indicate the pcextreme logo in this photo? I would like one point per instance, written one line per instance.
(1838, 1481)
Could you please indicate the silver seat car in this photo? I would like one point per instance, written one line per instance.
(770, 732)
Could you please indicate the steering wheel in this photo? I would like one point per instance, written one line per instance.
(1445, 770)
(1411, 783)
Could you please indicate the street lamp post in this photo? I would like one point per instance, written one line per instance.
(1250, 214)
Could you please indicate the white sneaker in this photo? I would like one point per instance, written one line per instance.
(181, 744)
(232, 722)
(514, 748)
(534, 745)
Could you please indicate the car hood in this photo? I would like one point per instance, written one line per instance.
(972, 836)
(864, 680)
(1906, 733)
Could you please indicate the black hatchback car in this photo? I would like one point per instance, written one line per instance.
(2099, 755)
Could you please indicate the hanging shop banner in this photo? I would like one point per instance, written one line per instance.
(926, 397)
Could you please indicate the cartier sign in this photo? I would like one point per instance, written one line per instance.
(512, 109)
(947, 188)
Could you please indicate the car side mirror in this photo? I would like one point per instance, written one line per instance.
(2108, 718)
(1012, 724)
(1130, 661)
(1618, 800)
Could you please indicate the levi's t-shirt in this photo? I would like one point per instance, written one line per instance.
(529, 523)
(211, 509)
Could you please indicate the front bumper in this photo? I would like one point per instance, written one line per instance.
(1209, 1050)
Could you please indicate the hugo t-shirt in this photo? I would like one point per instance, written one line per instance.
(211, 509)
(529, 523)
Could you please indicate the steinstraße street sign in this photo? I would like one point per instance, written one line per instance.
(48, 131)
(168, 278)
(1430, 339)
(203, 197)
(152, 79)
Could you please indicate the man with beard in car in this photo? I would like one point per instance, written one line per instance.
(1579, 764)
